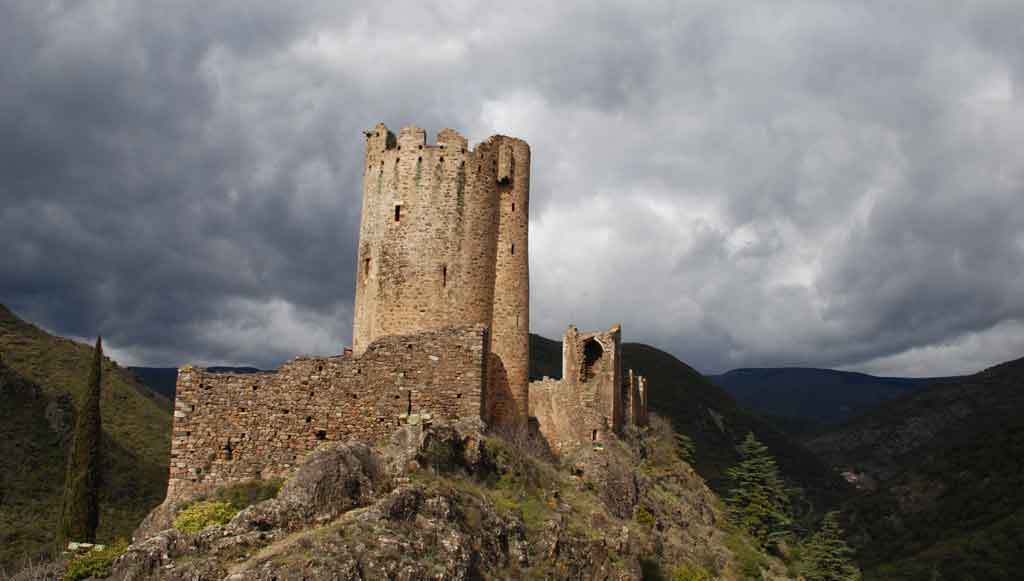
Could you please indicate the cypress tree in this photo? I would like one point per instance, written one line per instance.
(80, 511)
(758, 502)
(826, 555)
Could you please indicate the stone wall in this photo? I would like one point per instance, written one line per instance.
(634, 392)
(593, 398)
(566, 414)
(443, 241)
(230, 427)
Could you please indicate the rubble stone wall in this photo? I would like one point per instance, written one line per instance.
(566, 414)
(231, 427)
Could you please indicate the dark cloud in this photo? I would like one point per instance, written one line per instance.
(810, 183)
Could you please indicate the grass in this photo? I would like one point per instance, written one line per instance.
(243, 494)
(202, 514)
(94, 564)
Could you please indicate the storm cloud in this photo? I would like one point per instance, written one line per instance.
(828, 184)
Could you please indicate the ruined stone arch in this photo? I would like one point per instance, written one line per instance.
(593, 356)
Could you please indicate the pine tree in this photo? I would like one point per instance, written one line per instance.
(826, 555)
(758, 501)
(80, 510)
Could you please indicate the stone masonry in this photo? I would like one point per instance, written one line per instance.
(231, 427)
(593, 398)
(440, 329)
(443, 241)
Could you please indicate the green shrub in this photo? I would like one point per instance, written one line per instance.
(203, 514)
(687, 572)
(644, 517)
(95, 564)
(249, 492)
(748, 558)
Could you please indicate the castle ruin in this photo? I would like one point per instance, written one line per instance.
(440, 329)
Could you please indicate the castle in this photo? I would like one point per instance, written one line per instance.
(440, 329)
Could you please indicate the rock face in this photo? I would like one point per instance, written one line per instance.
(447, 502)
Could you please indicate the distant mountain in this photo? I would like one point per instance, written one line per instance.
(943, 473)
(801, 400)
(708, 415)
(41, 379)
(163, 380)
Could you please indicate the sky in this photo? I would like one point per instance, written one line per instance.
(829, 184)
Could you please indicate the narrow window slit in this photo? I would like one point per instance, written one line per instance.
(398, 212)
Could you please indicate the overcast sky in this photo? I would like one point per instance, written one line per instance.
(738, 183)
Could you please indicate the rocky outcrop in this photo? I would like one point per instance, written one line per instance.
(448, 502)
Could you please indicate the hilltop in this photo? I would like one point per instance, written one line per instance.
(942, 478)
(447, 501)
(41, 379)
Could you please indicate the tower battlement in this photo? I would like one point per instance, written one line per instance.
(443, 241)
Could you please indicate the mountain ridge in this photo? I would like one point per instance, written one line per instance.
(809, 399)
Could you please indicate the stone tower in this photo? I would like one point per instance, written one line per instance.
(442, 242)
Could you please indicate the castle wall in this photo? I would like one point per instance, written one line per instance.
(566, 414)
(602, 376)
(443, 241)
(231, 427)
(593, 398)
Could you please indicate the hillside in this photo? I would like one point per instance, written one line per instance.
(944, 477)
(708, 415)
(803, 399)
(41, 378)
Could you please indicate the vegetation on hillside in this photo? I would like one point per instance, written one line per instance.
(42, 378)
(950, 480)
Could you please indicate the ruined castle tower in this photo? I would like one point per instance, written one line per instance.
(442, 242)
